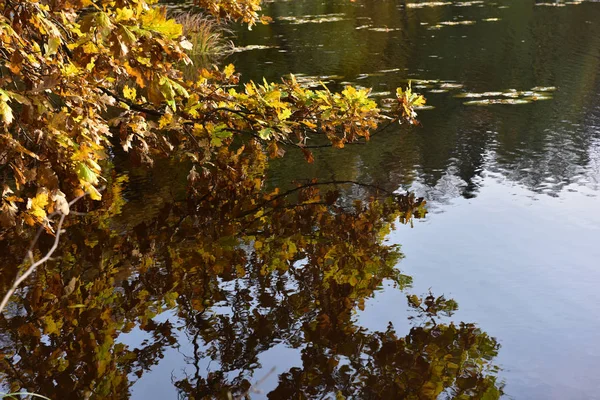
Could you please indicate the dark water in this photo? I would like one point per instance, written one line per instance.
(511, 234)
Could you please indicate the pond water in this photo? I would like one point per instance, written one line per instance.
(132, 309)
(512, 189)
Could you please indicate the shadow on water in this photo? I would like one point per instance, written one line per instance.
(237, 270)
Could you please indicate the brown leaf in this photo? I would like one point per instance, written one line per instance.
(16, 62)
(275, 151)
(308, 155)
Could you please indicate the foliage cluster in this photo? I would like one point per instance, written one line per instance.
(80, 78)
(84, 82)
(276, 259)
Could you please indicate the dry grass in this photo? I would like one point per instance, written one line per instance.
(208, 37)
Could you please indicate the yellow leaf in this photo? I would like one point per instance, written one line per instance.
(129, 93)
(85, 174)
(90, 48)
(309, 124)
(92, 191)
(154, 20)
(6, 113)
(284, 114)
(229, 70)
(90, 66)
(124, 14)
(70, 70)
(36, 207)
(53, 44)
(165, 120)
(50, 326)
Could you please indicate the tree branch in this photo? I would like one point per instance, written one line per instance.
(29, 255)
(131, 104)
(33, 266)
(310, 184)
(254, 388)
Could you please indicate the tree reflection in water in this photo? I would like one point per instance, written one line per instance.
(293, 266)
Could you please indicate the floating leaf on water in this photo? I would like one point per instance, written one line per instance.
(528, 93)
(428, 4)
(364, 76)
(486, 102)
(539, 97)
(313, 19)
(543, 89)
(478, 95)
(512, 93)
(385, 71)
(491, 19)
(450, 23)
(468, 3)
(384, 29)
(558, 4)
(362, 27)
(511, 96)
(453, 23)
(421, 81)
(380, 94)
(451, 85)
(329, 77)
(253, 47)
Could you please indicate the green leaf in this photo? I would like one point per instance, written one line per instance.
(179, 89)
(6, 113)
(265, 133)
(84, 173)
(53, 44)
(154, 20)
(491, 394)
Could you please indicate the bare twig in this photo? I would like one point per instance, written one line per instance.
(253, 388)
(34, 265)
(29, 255)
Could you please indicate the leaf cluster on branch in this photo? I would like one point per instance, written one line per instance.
(80, 79)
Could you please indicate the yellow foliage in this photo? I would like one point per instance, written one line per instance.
(113, 73)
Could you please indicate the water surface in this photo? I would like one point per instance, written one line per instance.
(512, 190)
(167, 294)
